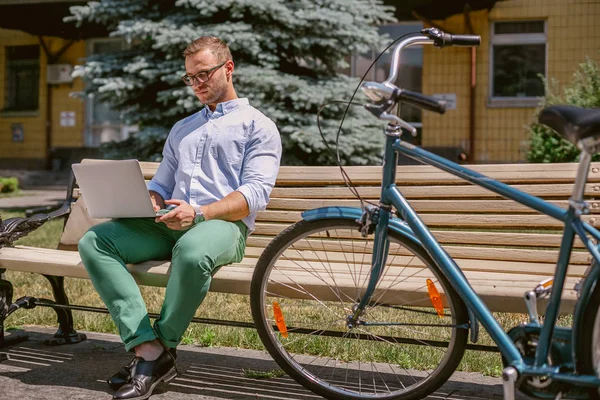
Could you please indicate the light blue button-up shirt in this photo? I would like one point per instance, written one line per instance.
(210, 154)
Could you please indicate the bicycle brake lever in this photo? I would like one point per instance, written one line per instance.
(393, 118)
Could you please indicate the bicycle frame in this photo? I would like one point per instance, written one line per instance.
(391, 196)
(412, 228)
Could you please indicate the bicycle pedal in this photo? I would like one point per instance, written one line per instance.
(558, 396)
(544, 288)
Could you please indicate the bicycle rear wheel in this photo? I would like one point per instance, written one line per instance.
(305, 286)
(589, 353)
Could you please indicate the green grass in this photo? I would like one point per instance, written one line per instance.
(216, 305)
(255, 374)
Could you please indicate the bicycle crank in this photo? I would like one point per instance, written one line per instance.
(526, 339)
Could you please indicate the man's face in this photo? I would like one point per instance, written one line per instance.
(213, 90)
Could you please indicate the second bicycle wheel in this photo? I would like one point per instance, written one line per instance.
(588, 354)
(406, 343)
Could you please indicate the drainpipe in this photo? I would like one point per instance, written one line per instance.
(50, 59)
(472, 105)
(48, 116)
(473, 83)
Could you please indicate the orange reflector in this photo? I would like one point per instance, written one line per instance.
(435, 298)
(279, 320)
(547, 283)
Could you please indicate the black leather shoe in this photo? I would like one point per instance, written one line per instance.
(145, 375)
(124, 375)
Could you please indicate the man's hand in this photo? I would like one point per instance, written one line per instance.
(179, 218)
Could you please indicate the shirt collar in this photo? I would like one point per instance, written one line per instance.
(225, 107)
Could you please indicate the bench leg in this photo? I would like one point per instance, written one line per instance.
(65, 334)
(6, 293)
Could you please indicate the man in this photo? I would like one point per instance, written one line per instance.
(219, 166)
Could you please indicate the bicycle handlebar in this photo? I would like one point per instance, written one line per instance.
(443, 39)
(395, 64)
(465, 40)
(385, 92)
(420, 100)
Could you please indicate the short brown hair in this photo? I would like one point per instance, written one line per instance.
(216, 46)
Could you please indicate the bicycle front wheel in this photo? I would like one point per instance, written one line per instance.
(307, 283)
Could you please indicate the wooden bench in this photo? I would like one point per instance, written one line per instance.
(503, 248)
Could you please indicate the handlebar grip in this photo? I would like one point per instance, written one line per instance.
(420, 100)
(465, 40)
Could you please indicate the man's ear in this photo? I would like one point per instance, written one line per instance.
(229, 67)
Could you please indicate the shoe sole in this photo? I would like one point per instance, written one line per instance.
(166, 378)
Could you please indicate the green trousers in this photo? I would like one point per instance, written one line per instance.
(195, 256)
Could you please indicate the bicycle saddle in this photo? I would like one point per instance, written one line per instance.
(572, 123)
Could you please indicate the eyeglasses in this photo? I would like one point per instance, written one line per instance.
(202, 76)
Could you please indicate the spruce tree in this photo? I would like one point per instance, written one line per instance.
(288, 55)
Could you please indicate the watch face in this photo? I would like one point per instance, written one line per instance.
(198, 218)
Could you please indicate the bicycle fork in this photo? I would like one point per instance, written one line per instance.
(381, 244)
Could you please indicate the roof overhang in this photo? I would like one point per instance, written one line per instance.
(45, 18)
(436, 9)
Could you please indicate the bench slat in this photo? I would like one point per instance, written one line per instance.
(465, 252)
(452, 220)
(423, 192)
(466, 263)
(549, 173)
(430, 192)
(297, 175)
(459, 237)
(441, 206)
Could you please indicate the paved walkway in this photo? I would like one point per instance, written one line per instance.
(32, 198)
(36, 371)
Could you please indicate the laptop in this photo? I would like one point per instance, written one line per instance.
(114, 189)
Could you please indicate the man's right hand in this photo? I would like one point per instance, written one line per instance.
(157, 201)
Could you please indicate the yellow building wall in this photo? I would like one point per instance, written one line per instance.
(573, 33)
(63, 101)
(33, 148)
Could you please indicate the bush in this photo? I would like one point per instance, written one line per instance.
(583, 91)
(9, 185)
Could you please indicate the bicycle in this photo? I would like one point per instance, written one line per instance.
(341, 342)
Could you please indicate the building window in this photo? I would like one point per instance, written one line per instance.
(410, 73)
(22, 78)
(103, 123)
(518, 58)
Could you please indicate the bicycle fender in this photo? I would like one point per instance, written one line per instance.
(355, 213)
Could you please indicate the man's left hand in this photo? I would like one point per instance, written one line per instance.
(180, 218)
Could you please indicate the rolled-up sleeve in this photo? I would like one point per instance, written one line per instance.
(261, 165)
(163, 181)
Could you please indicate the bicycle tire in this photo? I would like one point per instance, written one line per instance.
(589, 354)
(288, 263)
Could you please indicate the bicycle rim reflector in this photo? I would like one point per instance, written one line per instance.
(279, 320)
(435, 298)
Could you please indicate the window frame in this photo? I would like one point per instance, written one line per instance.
(12, 111)
(515, 39)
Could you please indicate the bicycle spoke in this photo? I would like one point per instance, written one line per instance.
(330, 274)
(316, 276)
